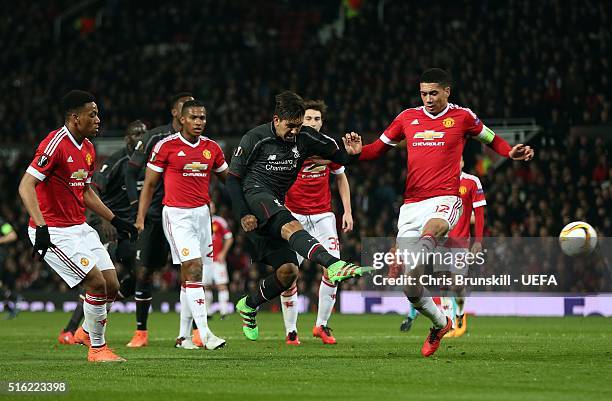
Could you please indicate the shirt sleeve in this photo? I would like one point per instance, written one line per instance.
(45, 160)
(478, 196)
(317, 143)
(242, 157)
(336, 168)
(219, 164)
(159, 158)
(472, 124)
(394, 133)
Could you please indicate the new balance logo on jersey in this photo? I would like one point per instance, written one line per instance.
(414, 122)
(272, 157)
(181, 153)
(70, 159)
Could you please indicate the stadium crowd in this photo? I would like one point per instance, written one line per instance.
(235, 56)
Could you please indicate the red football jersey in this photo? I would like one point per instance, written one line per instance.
(186, 167)
(64, 167)
(220, 233)
(435, 145)
(310, 193)
(472, 195)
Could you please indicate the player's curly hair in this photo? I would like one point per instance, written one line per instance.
(318, 105)
(289, 106)
(436, 76)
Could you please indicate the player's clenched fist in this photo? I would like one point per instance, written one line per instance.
(248, 222)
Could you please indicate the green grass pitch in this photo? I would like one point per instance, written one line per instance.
(501, 359)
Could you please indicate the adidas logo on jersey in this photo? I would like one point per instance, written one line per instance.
(181, 153)
(70, 159)
(415, 122)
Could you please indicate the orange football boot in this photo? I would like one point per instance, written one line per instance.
(81, 337)
(324, 333)
(103, 354)
(140, 339)
(66, 337)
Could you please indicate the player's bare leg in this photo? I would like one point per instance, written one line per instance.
(191, 277)
(97, 290)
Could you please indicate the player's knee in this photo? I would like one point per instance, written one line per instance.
(290, 228)
(94, 282)
(112, 287)
(284, 224)
(436, 227)
(192, 270)
(287, 274)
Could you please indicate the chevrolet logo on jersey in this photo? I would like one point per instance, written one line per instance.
(429, 135)
(79, 175)
(196, 166)
(313, 168)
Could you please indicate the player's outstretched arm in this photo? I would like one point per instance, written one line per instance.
(503, 148)
(148, 188)
(374, 150)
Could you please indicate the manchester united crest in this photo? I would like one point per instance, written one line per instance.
(185, 251)
(89, 159)
(85, 262)
(448, 122)
(207, 155)
(462, 190)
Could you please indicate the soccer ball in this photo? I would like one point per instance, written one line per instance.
(578, 238)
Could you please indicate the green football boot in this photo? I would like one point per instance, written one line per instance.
(249, 321)
(342, 270)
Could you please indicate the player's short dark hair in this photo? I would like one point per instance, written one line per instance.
(289, 106)
(191, 103)
(174, 99)
(436, 76)
(74, 100)
(133, 125)
(318, 105)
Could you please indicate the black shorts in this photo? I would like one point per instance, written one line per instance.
(263, 205)
(152, 245)
(266, 247)
(271, 251)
